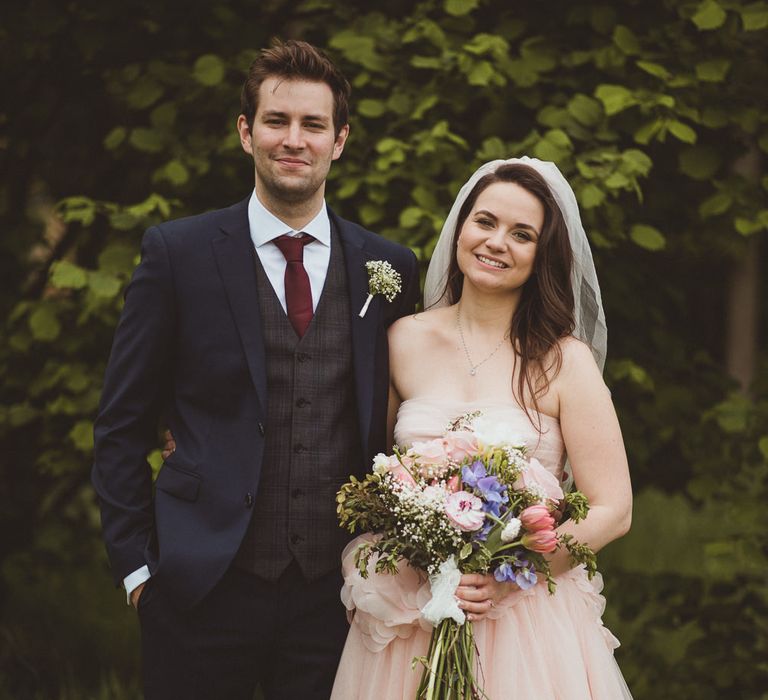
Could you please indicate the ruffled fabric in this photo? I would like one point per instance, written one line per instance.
(532, 646)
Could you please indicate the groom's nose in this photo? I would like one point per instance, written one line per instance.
(293, 137)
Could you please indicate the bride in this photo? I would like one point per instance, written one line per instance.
(514, 328)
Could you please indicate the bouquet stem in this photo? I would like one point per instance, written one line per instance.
(449, 666)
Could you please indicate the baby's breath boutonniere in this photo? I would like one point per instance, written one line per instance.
(382, 279)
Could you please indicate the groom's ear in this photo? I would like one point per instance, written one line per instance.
(245, 134)
(341, 139)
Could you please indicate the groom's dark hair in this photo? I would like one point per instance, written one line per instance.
(295, 60)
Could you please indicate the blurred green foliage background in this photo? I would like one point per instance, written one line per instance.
(117, 115)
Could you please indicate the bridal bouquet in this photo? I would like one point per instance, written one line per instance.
(468, 502)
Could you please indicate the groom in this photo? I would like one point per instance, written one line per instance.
(241, 332)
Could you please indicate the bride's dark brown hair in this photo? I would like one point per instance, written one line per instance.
(545, 312)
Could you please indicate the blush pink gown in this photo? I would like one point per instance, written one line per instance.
(533, 646)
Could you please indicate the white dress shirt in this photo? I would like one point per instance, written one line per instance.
(265, 227)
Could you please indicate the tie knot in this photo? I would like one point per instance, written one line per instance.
(292, 247)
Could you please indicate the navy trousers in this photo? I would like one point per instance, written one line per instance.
(286, 636)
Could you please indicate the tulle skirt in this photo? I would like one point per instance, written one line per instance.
(533, 646)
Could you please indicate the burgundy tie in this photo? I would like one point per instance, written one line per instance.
(298, 293)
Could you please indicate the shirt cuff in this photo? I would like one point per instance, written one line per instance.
(131, 581)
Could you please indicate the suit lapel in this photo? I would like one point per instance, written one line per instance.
(234, 257)
(365, 331)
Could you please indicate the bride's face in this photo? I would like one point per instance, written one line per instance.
(497, 243)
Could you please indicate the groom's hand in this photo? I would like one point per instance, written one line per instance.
(136, 594)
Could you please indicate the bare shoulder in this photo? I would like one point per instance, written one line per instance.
(419, 328)
(578, 363)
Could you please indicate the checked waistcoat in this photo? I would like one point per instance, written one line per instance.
(312, 437)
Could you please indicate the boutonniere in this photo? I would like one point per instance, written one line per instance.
(382, 279)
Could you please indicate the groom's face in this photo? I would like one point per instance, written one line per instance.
(293, 141)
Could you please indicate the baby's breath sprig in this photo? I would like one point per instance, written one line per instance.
(382, 279)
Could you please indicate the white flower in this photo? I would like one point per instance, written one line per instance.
(491, 433)
(382, 279)
(511, 530)
(380, 463)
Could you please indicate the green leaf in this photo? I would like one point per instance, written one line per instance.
(114, 138)
(746, 227)
(371, 108)
(410, 217)
(646, 132)
(591, 196)
(713, 71)
(176, 172)
(716, 204)
(615, 98)
(617, 181)
(709, 15)
(754, 16)
(147, 140)
(681, 131)
(66, 275)
(426, 62)
(164, 115)
(459, 8)
(654, 69)
(585, 109)
(358, 49)
(144, 93)
(763, 446)
(647, 237)
(209, 70)
(699, 162)
(626, 40)
(466, 551)
(21, 414)
(44, 324)
(82, 436)
(102, 284)
(370, 214)
(481, 73)
(733, 413)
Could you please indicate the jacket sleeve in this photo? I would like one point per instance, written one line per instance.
(135, 386)
(410, 295)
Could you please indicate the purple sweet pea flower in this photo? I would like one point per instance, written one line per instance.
(471, 474)
(526, 578)
(505, 572)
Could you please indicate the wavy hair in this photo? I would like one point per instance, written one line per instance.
(545, 313)
(295, 60)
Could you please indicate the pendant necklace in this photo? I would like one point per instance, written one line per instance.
(474, 367)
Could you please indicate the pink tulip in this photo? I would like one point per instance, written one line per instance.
(535, 518)
(465, 511)
(542, 541)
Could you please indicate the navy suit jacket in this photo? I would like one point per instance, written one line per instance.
(188, 352)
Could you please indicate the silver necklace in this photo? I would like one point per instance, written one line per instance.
(474, 367)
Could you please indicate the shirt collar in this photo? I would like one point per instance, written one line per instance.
(265, 226)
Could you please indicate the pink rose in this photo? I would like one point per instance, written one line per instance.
(535, 518)
(542, 541)
(538, 478)
(401, 474)
(429, 452)
(454, 483)
(460, 444)
(465, 511)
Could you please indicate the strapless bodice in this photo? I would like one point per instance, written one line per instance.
(426, 418)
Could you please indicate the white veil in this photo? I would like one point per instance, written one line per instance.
(588, 305)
